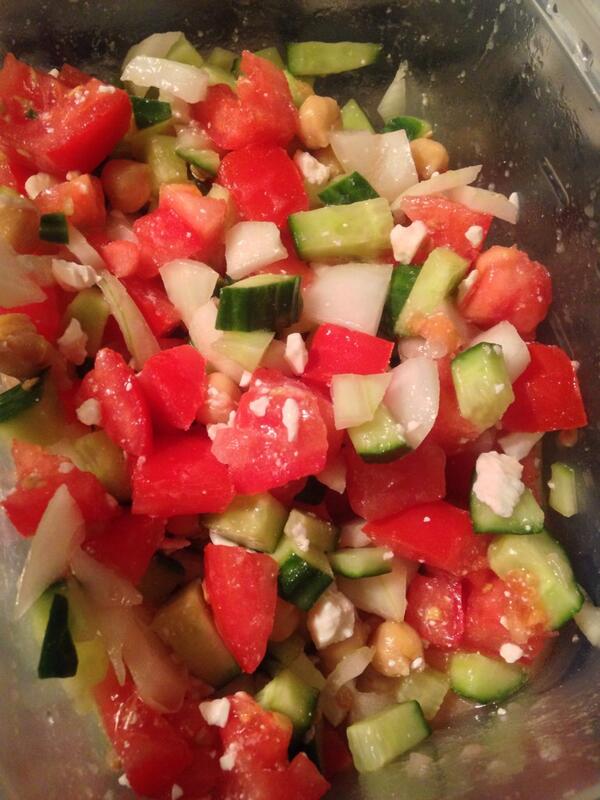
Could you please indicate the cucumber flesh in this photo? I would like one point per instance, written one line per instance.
(401, 284)
(185, 53)
(58, 658)
(362, 562)
(260, 302)
(325, 58)
(206, 160)
(91, 310)
(346, 189)
(247, 348)
(165, 165)
(304, 573)
(148, 112)
(219, 57)
(304, 526)
(485, 680)
(527, 516)
(482, 384)
(383, 595)
(428, 687)
(21, 397)
(415, 127)
(563, 489)
(288, 694)
(380, 439)
(254, 521)
(271, 54)
(96, 453)
(354, 118)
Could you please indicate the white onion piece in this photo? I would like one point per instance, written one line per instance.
(486, 202)
(440, 183)
(17, 286)
(384, 595)
(353, 535)
(83, 250)
(384, 159)
(393, 102)
(140, 340)
(250, 246)
(189, 285)
(192, 137)
(515, 351)
(365, 704)
(413, 397)
(347, 670)
(334, 474)
(184, 81)
(351, 295)
(59, 533)
(157, 44)
(119, 227)
(518, 445)
(274, 358)
(102, 584)
(414, 346)
(588, 622)
(204, 335)
(357, 397)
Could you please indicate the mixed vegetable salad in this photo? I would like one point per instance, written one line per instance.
(275, 411)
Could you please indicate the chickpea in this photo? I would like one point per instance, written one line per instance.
(19, 221)
(429, 157)
(327, 156)
(318, 117)
(287, 619)
(23, 351)
(222, 397)
(372, 681)
(334, 653)
(396, 645)
(127, 184)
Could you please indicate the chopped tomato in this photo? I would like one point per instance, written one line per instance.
(46, 315)
(547, 394)
(174, 382)
(25, 91)
(335, 350)
(39, 474)
(164, 236)
(334, 754)
(450, 430)
(509, 286)
(300, 780)
(150, 297)
(380, 490)
(260, 738)
(204, 215)
(265, 183)
(121, 257)
(242, 591)
(72, 76)
(447, 223)
(81, 199)
(435, 609)
(438, 534)
(14, 169)
(181, 476)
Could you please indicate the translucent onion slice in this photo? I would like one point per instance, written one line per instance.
(413, 397)
(183, 81)
(487, 202)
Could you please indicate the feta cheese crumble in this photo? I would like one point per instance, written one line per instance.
(245, 379)
(296, 353)
(298, 534)
(313, 171)
(259, 406)
(216, 712)
(518, 445)
(465, 285)
(38, 183)
(89, 412)
(331, 619)
(73, 277)
(474, 235)
(290, 416)
(498, 482)
(227, 760)
(510, 652)
(406, 240)
(72, 343)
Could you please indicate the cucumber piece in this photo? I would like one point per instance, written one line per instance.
(97, 453)
(485, 680)
(357, 230)
(136, 144)
(299, 89)
(482, 384)
(271, 54)
(21, 397)
(382, 737)
(428, 687)
(543, 558)
(383, 595)
(165, 165)
(221, 58)
(43, 423)
(163, 576)
(356, 398)
(186, 625)
(354, 118)
(352, 188)
(379, 440)
(362, 562)
(288, 694)
(403, 280)
(91, 310)
(260, 302)
(415, 127)
(206, 160)
(326, 58)
(287, 651)
(302, 525)
(563, 489)
(254, 521)
(217, 75)
(54, 228)
(526, 518)
(438, 277)
(148, 112)
(304, 573)
(185, 53)
(246, 348)
(58, 658)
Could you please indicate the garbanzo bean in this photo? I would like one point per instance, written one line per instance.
(318, 117)
(222, 397)
(429, 157)
(23, 351)
(127, 184)
(396, 645)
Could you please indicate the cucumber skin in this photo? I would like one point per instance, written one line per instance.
(325, 58)
(337, 560)
(348, 189)
(268, 307)
(415, 127)
(18, 399)
(378, 440)
(300, 583)
(485, 521)
(149, 112)
(457, 681)
(403, 279)
(58, 657)
(54, 228)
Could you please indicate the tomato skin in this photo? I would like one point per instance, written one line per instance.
(205, 216)
(14, 169)
(174, 382)
(81, 199)
(242, 591)
(163, 236)
(334, 753)
(437, 533)
(265, 183)
(451, 431)
(150, 297)
(547, 394)
(181, 476)
(263, 738)
(510, 286)
(335, 350)
(380, 490)
(435, 609)
(22, 87)
(46, 316)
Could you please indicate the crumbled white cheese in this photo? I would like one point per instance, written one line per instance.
(406, 240)
(259, 406)
(216, 538)
(474, 235)
(417, 663)
(55, 73)
(518, 445)
(465, 286)
(90, 412)
(296, 353)
(123, 781)
(106, 89)
(387, 555)
(331, 619)
(501, 712)
(216, 712)
(227, 760)
(290, 416)
(73, 342)
(313, 171)
(245, 379)
(65, 467)
(504, 621)
(498, 387)
(298, 534)
(38, 183)
(510, 652)
(73, 277)
(211, 430)
(498, 482)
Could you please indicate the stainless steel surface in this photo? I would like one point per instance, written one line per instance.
(510, 84)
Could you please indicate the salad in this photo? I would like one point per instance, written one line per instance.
(275, 408)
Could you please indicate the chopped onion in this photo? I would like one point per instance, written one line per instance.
(274, 358)
(351, 295)
(384, 595)
(59, 533)
(393, 102)
(184, 81)
(103, 585)
(17, 286)
(384, 159)
(518, 445)
(349, 668)
(119, 227)
(250, 246)
(414, 346)
(440, 183)
(189, 284)
(192, 137)
(365, 704)
(514, 349)
(353, 535)
(357, 397)
(334, 474)
(413, 397)
(485, 201)
(140, 340)
(204, 335)
(588, 622)
(83, 250)
(157, 44)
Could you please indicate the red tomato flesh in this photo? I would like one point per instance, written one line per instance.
(335, 350)
(46, 315)
(174, 382)
(163, 236)
(151, 298)
(435, 609)
(80, 199)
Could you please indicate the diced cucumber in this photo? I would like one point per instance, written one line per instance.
(326, 58)
(287, 651)
(485, 680)
(299, 89)
(136, 144)
(254, 521)
(185, 53)
(352, 188)
(438, 277)
(384, 595)
(97, 453)
(186, 625)
(272, 55)
(377, 740)
(43, 423)
(163, 576)
(58, 658)
(356, 398)
(289, 695)
(21, 397)
(260, 302)
(403, 280)
(563, 489)
(91, 310)
(354, 118)
(320, 533)
(148, 112)
(219, 57)
(165, 165)
(304, 573)
(54, 228)
(361, 562)
(543, 558)
(206, 160)
(245, 348)
(380, 439)
(415, 128)
(358, 230)
(527, 516)
(428, 687)
(217, 75)
(304, 669)
(483, 387)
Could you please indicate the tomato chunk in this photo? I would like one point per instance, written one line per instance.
(163, 236)
(174, 382)
(335, 350)
(435, 609)
(451, 430)
(46, 315)
(14, 169)
(150, 297)
(24, 90)
(261, 738)
(81, 199)
(122, 257)
(204, 215)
